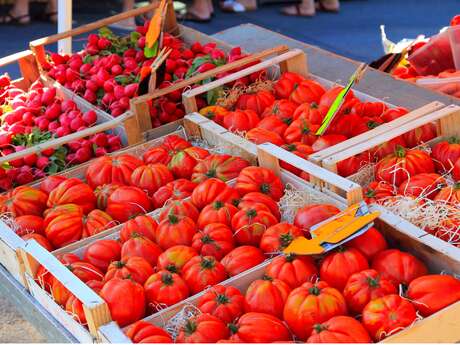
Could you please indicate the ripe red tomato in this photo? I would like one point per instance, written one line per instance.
(241, 259)
(293, 270)
(433, 292)
(250, 224)
(183, 162)
(259, 179)
(339, 265)
(23, 201)
(307, 91)
(127, 202)
(40, 239)
(74, 305)
(378, 191)
(203, 328)
(144, 332)
(151, 177)
(126, 300)
(174, 258)
(286, 84)
(397, 266)
(420, 135)
(175, 230)
(107, 169)
(278, 237)
(241, 120)
(311, 112)
(73, 191)
(217, 212)
(308, 216)
(260, 328)
(400, 165)
(311, 304)
(260, 135)
(64, 229)
(450, 194)
(135, 267)
(95, 222)
(352, 165)
(215, 239)
(446, 153)
(455, 20)
(141, 225)
(222, 166)
(330, 95)
(225, 303)
(102, 194)
(365, 286)
(327, 140)
(51, 182)
(257, 101)
(141, 246)
(339, 329)
(267, 295)
(165, 288)
(274, 124)
(387, 148)
(301, 130)
(102, 252)
(213, 190)
(282, 109)
(176, 190)
(202, 271)
(385, 315)
(298, 149)
(371, 109)
(370, 243)
(252, 198)
(394, 113)
(29, 224)
(180, 208)
(425, 185)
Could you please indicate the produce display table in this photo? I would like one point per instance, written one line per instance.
(331, 66)
(252, 38)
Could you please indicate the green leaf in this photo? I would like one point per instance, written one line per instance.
(105, 32)
(134, 37)
(89, 59)
(100, 93)
(52, 168)
(151, 52)
(213, 95)
(197, 63)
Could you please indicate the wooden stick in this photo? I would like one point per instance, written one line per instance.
(7, 60)
(162, 56)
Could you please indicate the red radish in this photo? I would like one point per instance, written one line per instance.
(42, 162)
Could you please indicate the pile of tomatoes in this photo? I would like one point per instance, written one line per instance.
(63, 210)
(291, 113)
(350, 295)
(196, 243)
(33, 116)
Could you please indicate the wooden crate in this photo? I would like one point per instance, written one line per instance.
(203, 130)
(27, 67)
(448, 124)
(296, 61)
(443, 326)
(189, 35)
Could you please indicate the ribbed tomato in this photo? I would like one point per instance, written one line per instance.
(141, 225)
(157, 154)
(372, 109)
(85, 271)
(397, 266)
(74, 306)
(108, 169)
(433, 292)
(446, 153)
(151, 177)
(299, 149)
(224, 302)
(278, 237)
(267, 295)
(144, 332)
(183, 162)
(102, 194)
(73, 191)
(215, 239)
(282, 109)
(64, 229)
(203, 328)
(307, 91)
(51, 213)
(327, 140)
(214, 112)
(174, 258)
(370, 243)
(252, 198)
(42, 240)
(241, 120)
(259, 328)
(338, 266)
(127, 202)
(420, 135)
(387, 315)
(250, 224)
(274, 124)
(387, 148)
(330, 95)
(175, 143)
(175, 230)
(102, 252)
(203, 271)
(450, 194)
(133, 267)
(402, 164)
(426, 185)
(29, 224)
(217, 212)
(286, 84)
(51, 182)
(180, 208)
(352, 165)
(339, 329)
(23, 201)
(257, 101)
(95, 222)
(301, 130)
(241, 259)
(292, 269)
(310, 304)
(365, 286)
(313, 214)
(176, 190)
(394, 113)
(259, 179)
(221, 166)
(141, 246)
(260, 136)
(126, 300)
(311, 112)
(213, 190)
(378, 191)
(164, 289)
